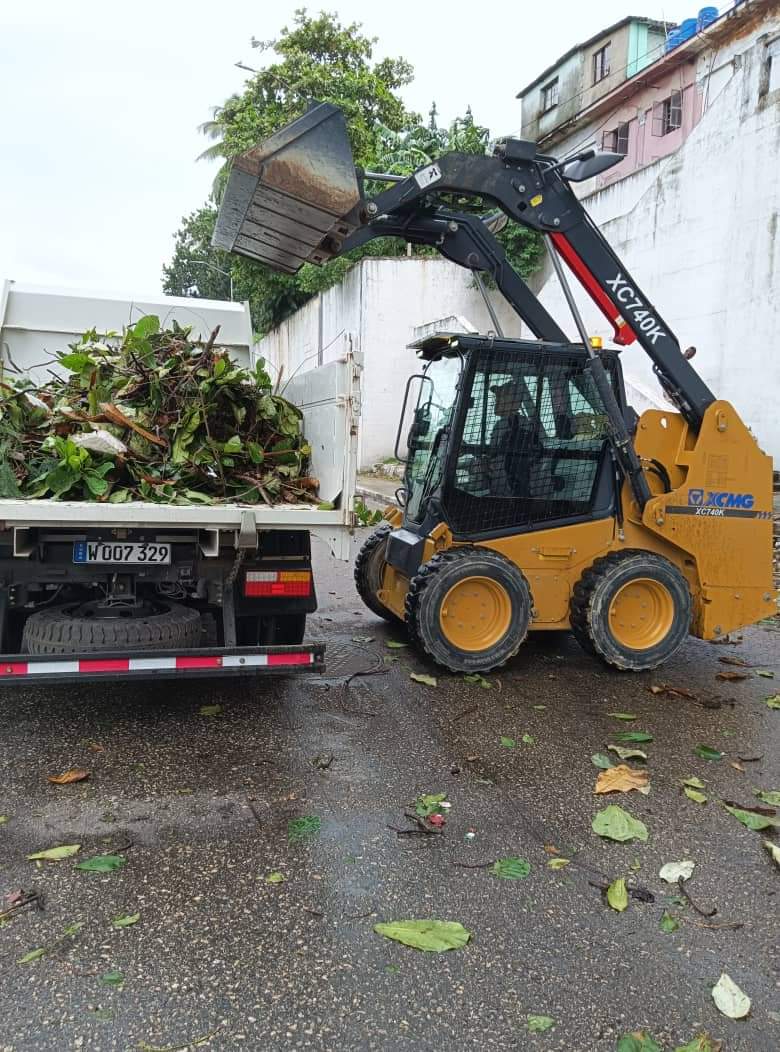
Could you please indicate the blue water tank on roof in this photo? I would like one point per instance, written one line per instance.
(707, 16)
(687, 29)
(673, 39)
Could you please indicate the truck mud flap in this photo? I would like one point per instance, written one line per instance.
(209, 663)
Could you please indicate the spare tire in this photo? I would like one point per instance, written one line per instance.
(79, 628)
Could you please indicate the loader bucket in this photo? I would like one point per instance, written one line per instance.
(294, 198)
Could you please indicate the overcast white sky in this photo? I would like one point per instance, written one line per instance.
(101, 101)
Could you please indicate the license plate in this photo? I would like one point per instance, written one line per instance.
(114, 552)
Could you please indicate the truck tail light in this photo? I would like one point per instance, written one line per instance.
(271, 583)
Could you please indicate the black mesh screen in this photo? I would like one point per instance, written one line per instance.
(533, 440)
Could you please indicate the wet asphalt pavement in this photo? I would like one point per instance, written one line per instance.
(199, 807)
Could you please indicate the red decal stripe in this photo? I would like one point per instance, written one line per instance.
(198, 662)
(96, 665)
(624, 334)
(290, 659)
(16, 668)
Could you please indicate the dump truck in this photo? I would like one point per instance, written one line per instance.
(101, 591)
(534, 497)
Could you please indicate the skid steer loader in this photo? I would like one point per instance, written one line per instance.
(533, 497)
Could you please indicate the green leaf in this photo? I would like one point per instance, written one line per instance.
(95, 484)
(76, 361)
(537, 1024)
(672, 872)
(478, 680)
(752, 820)
(540, 708)
(511, 868)
(126, 921)
(300, 828)
(765, 673)
(428, 681)
(56, 854)
(773, 850)
(275, 878)
(233, 445)
(112, 978)
(598, 759)
(695, 795)
(701, 1043)
(102, 863)
(633, 736)
(508, 743)
(639, 1041)
(706, 752)
(616, 824)
(3, 819)
(33, 955)
(769, 796)
(428, 804)
(210, 710)
(617, 895)
(773, 702)
(147, 326)
(694, 783)
(326, 505)
(391, 644)
(627, 716)
(627, 754)
(729, 999)
(435, 936)
(668, 923)
(528, 739)
(558, 863)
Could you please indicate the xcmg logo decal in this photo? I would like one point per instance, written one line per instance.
(699, 498)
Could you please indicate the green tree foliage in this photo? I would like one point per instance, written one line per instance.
(318, 58)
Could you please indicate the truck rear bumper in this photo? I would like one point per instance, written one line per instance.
(207, 663)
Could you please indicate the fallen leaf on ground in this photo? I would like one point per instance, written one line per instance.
(728, 660)
(511, 868)
(773, 850)
(729, 999)
(420, 677)
(300, 828)
(626, 716)
(537, 1024)
(627, 754)
(617, 895)
(598, 759)
(616, 824)
(701, 1043)
(668, 923)
(633, 736)
(732, 676)
(275, 878)
(362, 639)
(126, 921)
(694, 782)
(752, 820)
(558, 863)
(33, 955)
(435, 936)
(551, 849)
(392, 644)
(765, 673)
(429, 804)
(211, 710)
(706, 752)
(736, 766)
(508, 743)
(528, 739)
(773, 702)
(75, 775)
(55, 854)
(102, 863)
(437, 821)
(680, 692)
(674, 871)
(620, 779)
(540, 708)
(112, 978)
(695, 795)
(478, 680)
(3, 819)
(769, 796)
(638, 1041)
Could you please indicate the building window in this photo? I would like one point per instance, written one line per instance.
(667, 115)
(601, 63)
(616, 140)
(550, 95)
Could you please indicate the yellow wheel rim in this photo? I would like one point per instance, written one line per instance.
(641, 614)
(476, 614)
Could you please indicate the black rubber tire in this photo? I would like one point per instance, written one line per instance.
(282, 630)
(593, 594)
(369, 564)
(431, 584)
(59, 630)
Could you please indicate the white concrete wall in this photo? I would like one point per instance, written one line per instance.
(376, 309)
(700, 232)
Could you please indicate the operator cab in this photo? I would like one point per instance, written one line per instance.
(506, 436)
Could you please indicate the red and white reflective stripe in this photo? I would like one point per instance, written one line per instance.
(179, 663)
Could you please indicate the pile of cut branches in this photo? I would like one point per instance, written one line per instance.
(154, 415)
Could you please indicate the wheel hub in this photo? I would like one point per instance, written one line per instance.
(641, 613)
(476, 614)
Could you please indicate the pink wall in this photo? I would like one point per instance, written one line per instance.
(644, 147)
